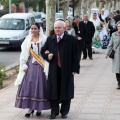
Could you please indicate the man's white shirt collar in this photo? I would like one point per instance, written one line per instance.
(60, 36)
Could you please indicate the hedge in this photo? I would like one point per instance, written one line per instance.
(2, 74)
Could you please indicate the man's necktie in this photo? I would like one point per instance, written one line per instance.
(119, 33)
(59, 63)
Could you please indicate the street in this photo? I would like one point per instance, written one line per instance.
(9, 56)
(96, 96)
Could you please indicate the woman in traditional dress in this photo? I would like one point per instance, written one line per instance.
(31, 78)
(100, 31)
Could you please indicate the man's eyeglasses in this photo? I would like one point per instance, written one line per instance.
(118, 26)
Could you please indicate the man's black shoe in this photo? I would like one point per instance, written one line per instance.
(52, 116)
(91, 58)
(83, 58)
(64, 116)
(118, 87)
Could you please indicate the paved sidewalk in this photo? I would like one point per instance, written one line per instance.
(96, 97)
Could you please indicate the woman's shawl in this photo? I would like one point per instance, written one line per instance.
(25, 54)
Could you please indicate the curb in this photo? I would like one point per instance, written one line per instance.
(11, 69)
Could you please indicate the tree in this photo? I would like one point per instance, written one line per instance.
(42, 5)
(28, 3)
(5, 3)
(78, 8)
(65, 6)
(50, 12)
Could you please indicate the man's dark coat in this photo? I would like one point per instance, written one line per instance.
(90, 30)
(69, 57)
(80, 28)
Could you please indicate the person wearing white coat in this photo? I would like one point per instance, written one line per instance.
(31, 79)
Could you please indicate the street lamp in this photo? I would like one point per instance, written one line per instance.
(28, 5)
(9, 6)
(57, 5)
(73, 7)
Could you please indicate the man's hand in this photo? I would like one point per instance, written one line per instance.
(50, 56)
(46, 52)
(79, 38)
(106, 56)
(25, 70)
(74, 73)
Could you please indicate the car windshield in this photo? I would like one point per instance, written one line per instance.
(38, 17)
(58, 16)
(12, 24)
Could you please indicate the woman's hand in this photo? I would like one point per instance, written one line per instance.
(73, 73)
(25, 70)
(79, 38)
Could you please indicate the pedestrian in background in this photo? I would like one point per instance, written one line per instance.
(90, 30)
(114, 13)
(112, 24)
(117, 17)
(32, 91)
(68, 27)
(115, 42)
(80, 29)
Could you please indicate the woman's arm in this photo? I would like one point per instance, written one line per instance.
(24, 54)
(45, 51)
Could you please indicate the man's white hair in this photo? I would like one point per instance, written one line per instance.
(59, 21)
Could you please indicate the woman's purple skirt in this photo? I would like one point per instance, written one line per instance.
(32, 93)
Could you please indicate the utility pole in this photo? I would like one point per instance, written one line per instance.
(28, 5)
(58, 5)
(9, 6)
(73, 7)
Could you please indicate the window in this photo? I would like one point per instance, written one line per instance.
(38, 17)
(27, 24)
(12, 24)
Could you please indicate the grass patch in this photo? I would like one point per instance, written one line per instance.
(2, 75)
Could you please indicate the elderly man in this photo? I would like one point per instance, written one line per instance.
(63, 58)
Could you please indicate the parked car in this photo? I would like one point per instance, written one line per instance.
(40, 18)
(58, 16)
(14, 28)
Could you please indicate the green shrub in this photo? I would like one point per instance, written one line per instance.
(2, 74)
